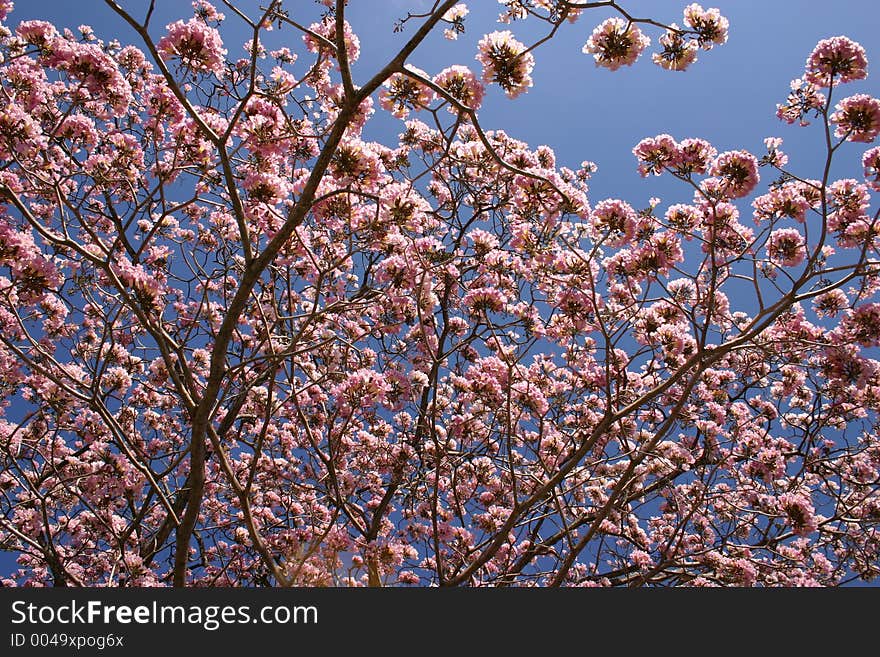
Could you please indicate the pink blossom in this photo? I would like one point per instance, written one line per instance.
(655, 154)
(683, 218)
(786, 200)
(460, 83)
(96, 71)
(20, 134)
(456, 17)
(711, 27)
(484, 299)
(850, 200)
(786, 247)
(199, 46)
(37, 33)
(506, 62)
(803, 100)
(327, 29)
(694, 156)
(830, 303)
(614, 221)
(206, 11)
(862, 324)
(774, 155)
(678, 53)
(402, 93)
(837, 59)
(800, 511)
(857, 118)
(615, 43)
(737, 173)
(871, 163)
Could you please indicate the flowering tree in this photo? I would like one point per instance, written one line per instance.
(242, 345)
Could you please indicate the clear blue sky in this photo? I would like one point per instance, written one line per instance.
(586, 113)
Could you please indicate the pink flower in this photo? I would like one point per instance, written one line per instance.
(775, 156)
(483, 241)
(862, 325)
(266, 187)
(711, 27)
(198, 46)
(849, 196)
(849, 220)
(615, 43)
(837, 57)
(460, 83)
(857, 118)
(327, 29)
(206, 11)
(786, 247)
(641, 559)
(800, 511)
(830, 303)
(614, 221)
(803, 100)
(683, 219)
(401, 93)
(655, 154)
(784, 201)
(6, 6)
(506, 62)
(678, 53)
(37, 33)
(457, 12)
(484, 299)
(694, 156)
(871, 162)
(20, 134)
(737, 173)
(455, 16)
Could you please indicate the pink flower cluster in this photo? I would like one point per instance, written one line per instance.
(871, 163)
(615, 43)
(837, 59)
(20, 134)
(849, 220)
(198, 46)
(614, 221)
(146, 288)
(455, 16)
(460, 83)
(787, 200)
(327, 29)
(800, 511)
(206, 11)
(775, 156)
(857, 118)
(33, 272)
(803, 100)
(862, 325)
(87, 63)
(401, 93)
(786, 247)
(663, 153)
(736, 173)
(711, 27)
(506, 62)
(678, 52)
